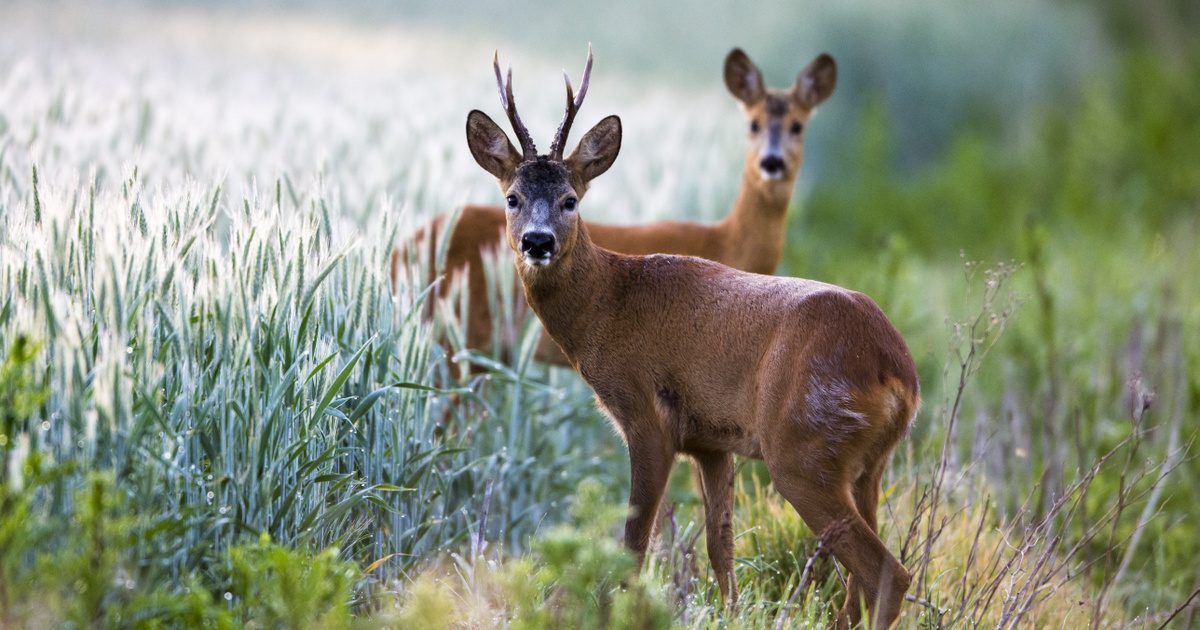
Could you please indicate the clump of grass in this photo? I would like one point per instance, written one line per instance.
(575, 575)
(97, 577)
(279, 588)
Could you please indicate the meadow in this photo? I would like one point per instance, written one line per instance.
(214, 411)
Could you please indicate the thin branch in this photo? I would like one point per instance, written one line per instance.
(1184, 605)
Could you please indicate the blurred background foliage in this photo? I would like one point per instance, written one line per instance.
(936, 65)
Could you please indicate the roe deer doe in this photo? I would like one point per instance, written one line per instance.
(750, 237)
(688, 356)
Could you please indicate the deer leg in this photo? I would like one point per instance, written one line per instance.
(866, 492)
(828, 507)
(716, 482)
(650, 462)
(866, 500)
(479, 316)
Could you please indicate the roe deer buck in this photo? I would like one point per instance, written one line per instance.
(750, 237)
(688, 356)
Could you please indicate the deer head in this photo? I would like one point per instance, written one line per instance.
(542, 191)
(777, 117)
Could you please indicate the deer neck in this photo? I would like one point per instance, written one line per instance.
(755, 229)
(568, 296)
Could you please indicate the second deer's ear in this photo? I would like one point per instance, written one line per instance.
(816, 81)
(596, 151)
(743, 78)
(490, 146)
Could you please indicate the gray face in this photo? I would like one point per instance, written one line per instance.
(542, 206)
(542, 194)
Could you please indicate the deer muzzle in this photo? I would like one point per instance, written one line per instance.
(538, 247)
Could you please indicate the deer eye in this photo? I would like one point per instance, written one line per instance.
(797, 128)
(569, 204)
(754, 126)
(512, 201)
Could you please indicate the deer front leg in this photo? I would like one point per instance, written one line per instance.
(716, 482)
(650, 460)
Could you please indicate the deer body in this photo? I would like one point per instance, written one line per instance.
(741, 347)
(750, 238)
(688, 356)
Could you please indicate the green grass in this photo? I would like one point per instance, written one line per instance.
(215, 413)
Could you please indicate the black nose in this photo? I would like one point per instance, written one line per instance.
(772, 164)
(537, 244)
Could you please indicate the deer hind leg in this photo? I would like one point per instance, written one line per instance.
(479, 311)
(824, 499)
(866, 500)
(892, 413)
(716, 482)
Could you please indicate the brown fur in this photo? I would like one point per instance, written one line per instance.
(751, 237)
(688, 356)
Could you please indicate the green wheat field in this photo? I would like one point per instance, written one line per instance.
(214, 412)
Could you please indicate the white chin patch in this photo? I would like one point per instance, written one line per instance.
(537, 262)
(770, 176)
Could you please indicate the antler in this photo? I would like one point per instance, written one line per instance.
(510, 107)
(573, 103)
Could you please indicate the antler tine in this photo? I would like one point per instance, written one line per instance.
(528, 149)
(587, 76)
(573, 103)
(499, 80)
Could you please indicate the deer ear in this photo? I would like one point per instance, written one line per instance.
(743, 78)
(815, 82)
(490, 146)
(596, 151)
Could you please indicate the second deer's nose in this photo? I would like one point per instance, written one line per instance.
(772, 164)
(537, 244)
